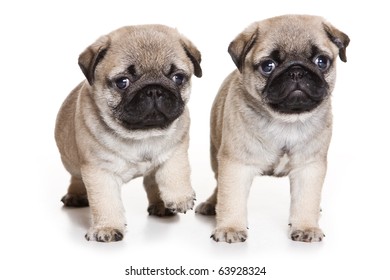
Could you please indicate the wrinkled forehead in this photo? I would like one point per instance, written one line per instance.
(293, 37)
(148, 50)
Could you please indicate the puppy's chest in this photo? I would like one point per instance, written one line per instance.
(280, 149)
(137, 160)
(279, 167)
(268, 158)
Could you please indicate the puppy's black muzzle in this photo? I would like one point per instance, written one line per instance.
(295, 88)
(153, 106)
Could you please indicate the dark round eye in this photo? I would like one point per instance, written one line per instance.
(178, 79)
(122, 83)
(267, 67)
(322, 62)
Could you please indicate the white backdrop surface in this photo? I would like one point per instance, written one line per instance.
(41, 41)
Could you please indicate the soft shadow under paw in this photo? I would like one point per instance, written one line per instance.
(78, 216)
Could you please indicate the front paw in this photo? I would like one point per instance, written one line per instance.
(230, 234)
(181, 205)
(104, 234)
(311, 234)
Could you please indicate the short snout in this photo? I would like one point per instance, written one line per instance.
(152, 106)
(295, 88)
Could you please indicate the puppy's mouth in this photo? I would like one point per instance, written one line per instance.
(297, 101)
(153, 106)
(295, 90)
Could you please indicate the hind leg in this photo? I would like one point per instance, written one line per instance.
(208, 207)
(77, 194)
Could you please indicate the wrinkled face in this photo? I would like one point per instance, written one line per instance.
(290, 66)
(148, 89)
(143, 78)
(295, 82)
(149, 104)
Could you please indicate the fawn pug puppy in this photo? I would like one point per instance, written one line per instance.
(127, 119)
(272, 116)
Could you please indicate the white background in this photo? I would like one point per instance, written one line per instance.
(40, 44)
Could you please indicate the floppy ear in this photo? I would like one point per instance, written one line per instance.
(340, 39)
(90, 58)
(242, 44)
(194, 54)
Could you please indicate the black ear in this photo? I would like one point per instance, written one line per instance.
(242, 44)
(90, 58)
(194, 54)
(340, 39)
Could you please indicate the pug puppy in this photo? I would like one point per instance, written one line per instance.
(272, 116)
(127, 119)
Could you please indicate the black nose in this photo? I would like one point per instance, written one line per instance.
(154, 92)
(296, 73)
